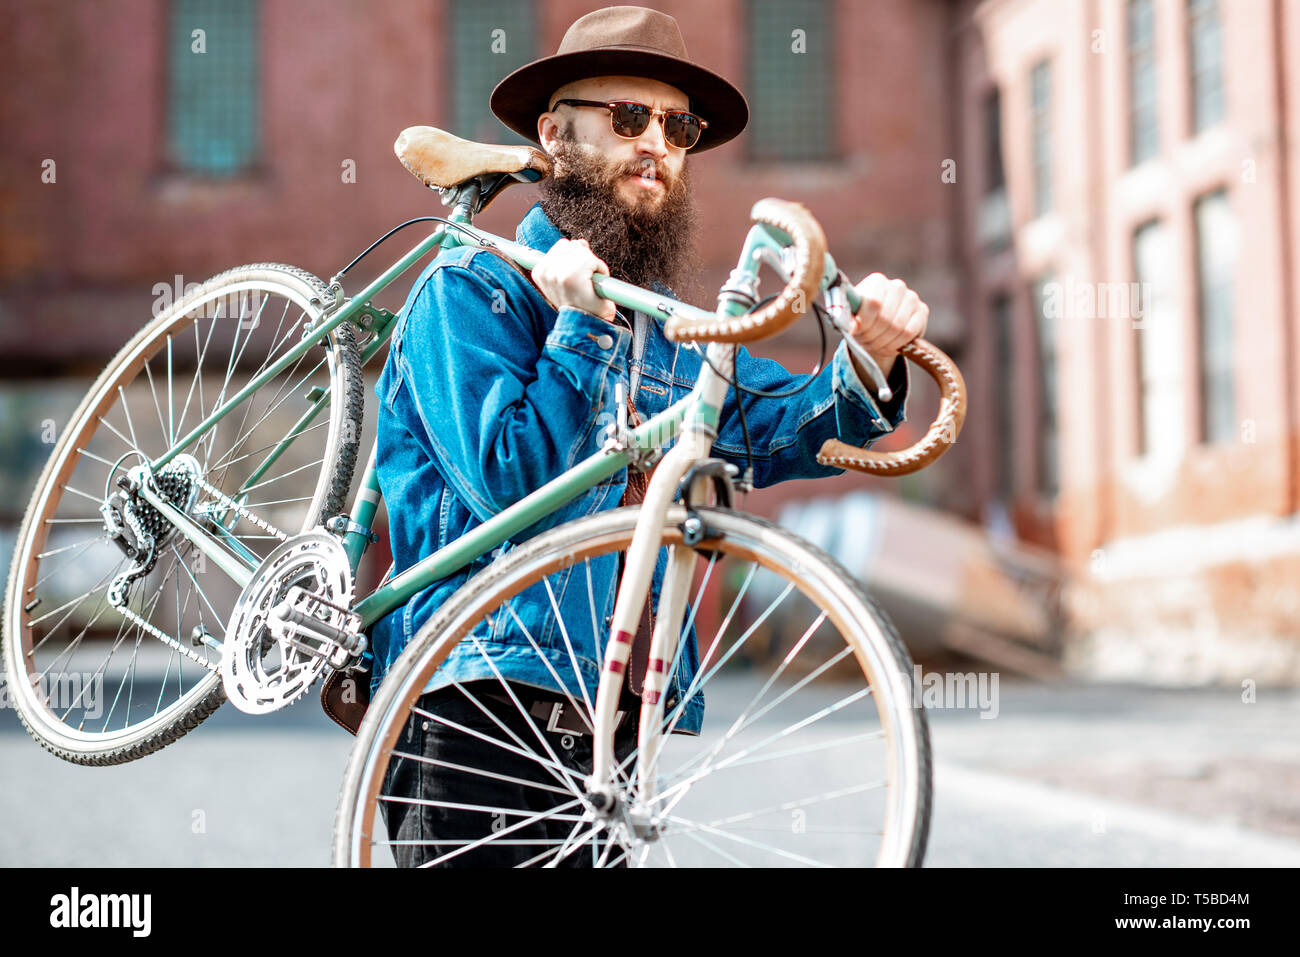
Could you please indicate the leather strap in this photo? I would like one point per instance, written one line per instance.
(517, 268)
(345, 697)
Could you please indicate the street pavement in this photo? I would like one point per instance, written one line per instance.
(1062, 776)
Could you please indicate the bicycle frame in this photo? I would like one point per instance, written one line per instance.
(702, 406)
(694, 419)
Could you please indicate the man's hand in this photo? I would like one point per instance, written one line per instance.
(891, 316)
(564, 277)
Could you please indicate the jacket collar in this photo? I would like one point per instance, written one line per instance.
(536, 231)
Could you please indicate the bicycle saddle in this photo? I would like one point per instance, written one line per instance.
(442, 161)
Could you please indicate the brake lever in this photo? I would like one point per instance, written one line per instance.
(837, 305)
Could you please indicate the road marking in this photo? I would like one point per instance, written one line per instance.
(1008, 793)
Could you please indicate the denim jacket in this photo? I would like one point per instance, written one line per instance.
(489, 392)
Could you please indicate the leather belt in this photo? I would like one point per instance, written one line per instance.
(560, 715)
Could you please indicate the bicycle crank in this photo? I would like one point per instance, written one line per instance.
(291, 621)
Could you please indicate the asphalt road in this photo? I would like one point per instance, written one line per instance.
(1073, 776)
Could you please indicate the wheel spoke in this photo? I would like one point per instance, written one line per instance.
(272, 445)
(63, 624)
(126, 410)
(699, 839)
(750, 842)
(112, 428)
(231, 363)
(201, 350)
(508, 829)
(85, 547)
(745, 719)
(162, 426)
(554, 765)
(202, 594)
(282, 394)
(784, 733)
(555, 768)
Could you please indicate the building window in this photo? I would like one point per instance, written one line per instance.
(791, 88)
(1046, 318)
(993, 218)
(1040, 125)
(1159, 343)
(995, 174)
(1144, 134)
(1004, 369)
(1216, 261)
(1205, 56)
(488, 39)
(213, 101)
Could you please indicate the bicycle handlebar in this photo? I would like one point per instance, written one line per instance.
(938, 438)
(809, 269)
(809, 244)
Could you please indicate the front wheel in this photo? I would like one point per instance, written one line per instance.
(811, 752)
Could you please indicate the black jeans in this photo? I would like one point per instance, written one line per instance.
(491, 788)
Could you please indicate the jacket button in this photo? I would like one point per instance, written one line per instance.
(605, 342)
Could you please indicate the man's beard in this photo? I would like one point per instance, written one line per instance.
(639, 244)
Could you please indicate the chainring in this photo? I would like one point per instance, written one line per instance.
(263, 671)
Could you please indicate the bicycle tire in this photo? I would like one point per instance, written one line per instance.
(877, 655)
(302, 294)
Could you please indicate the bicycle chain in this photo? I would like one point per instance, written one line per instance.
(166, 639)
(143, 531)
(243, 512)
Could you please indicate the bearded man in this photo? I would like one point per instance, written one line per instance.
(498, 382)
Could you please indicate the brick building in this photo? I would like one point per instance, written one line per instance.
(1013, 160)
(1128, 243)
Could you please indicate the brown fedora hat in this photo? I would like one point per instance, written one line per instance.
(621, 41)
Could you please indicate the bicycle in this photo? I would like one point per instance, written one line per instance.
(282, 612)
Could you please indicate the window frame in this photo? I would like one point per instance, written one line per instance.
(1047, 458)
(756, 152)
(1205, 370)
(453, 83)
(172, 163)
(1040, 135)
(1145, 56)
(1196, 122)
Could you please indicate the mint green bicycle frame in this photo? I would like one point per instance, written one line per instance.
(702, 408)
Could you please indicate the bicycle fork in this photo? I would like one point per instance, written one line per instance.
(694, 443)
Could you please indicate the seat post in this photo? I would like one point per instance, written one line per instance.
(464, 200)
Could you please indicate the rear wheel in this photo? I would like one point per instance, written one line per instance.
(99, 685)
(811, 752)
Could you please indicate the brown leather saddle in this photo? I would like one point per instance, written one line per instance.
(444, 162)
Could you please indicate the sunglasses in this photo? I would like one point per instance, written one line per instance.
(629, 119)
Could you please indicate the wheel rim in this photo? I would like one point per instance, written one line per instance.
(829, 750)
(101, 681)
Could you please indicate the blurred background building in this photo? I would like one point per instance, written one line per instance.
(1099, 199)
